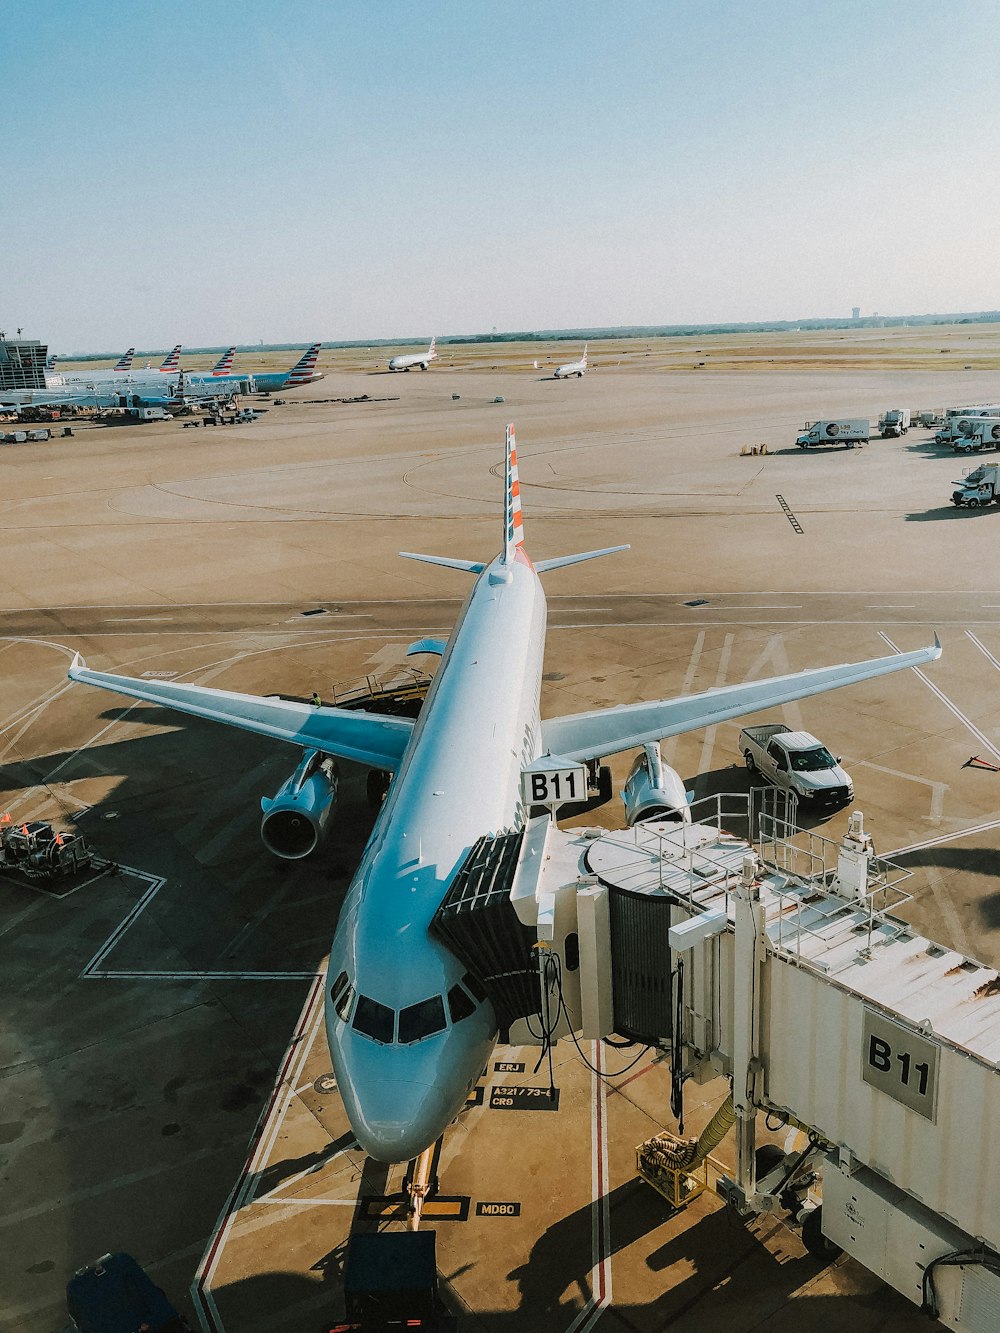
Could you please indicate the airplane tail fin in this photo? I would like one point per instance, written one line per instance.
(302, 371)
(583, 358)
(50, 364)
(172, 361)
(225, 362)
(124, 362)
(430, 350)
(513, 521)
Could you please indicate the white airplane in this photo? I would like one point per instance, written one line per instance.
(55, 378)
(421, 359)
(572, 367)
(409, 1029)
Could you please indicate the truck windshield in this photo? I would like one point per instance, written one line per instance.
(808, 761)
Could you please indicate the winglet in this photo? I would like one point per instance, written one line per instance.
(78, 664)
(513, 522)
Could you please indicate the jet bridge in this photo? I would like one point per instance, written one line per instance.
(783, 964)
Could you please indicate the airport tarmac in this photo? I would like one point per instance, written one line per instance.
(165, 1081)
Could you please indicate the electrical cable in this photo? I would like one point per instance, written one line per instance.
(986, 1258)
(561, 1009)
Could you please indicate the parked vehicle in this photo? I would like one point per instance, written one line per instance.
(956, 420)
(975, 433)
(893, 423)
(847, 431)
(115, 1295)
(980, 487)
(797, 762)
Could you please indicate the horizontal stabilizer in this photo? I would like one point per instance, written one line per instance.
(543, 566)
(608, 731)
(365, 738)
(468, 566)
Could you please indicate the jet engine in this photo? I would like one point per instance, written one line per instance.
(653, 790)
(295, 819)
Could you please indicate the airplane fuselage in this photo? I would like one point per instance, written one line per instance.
(421, 359)
(459, 779)
(573, 368)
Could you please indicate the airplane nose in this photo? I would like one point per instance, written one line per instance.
(397, 1120)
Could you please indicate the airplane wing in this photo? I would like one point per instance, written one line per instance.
(607, 731)
(366, 738)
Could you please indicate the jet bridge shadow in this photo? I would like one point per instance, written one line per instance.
(731, 1279)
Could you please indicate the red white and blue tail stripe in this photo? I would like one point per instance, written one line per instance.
(172, 361)
(225, 362)
(303, 370)
(124, 362)
(513, 522)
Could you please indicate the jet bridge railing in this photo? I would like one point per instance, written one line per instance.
(808, 862)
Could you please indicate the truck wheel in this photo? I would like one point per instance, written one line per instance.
(814, 1240)
(750, 762)
(850, 444)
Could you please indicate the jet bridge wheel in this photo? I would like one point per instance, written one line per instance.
(818, 1245)
(605, 782)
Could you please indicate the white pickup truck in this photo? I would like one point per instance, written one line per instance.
(797, 762)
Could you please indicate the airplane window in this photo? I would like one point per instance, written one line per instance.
(459, 1004)
(418, 1021)
(337, 987)
(473, 987)
(375, 1020)
(343, 1005)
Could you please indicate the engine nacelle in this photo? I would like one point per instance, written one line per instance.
(653, 790)
(295, 819)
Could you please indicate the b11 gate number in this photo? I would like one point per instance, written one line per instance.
(901, 1063)
(565, 785)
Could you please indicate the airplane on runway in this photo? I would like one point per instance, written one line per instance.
(577, 368)
(421, 359)
(410, 1029)
(303, 372)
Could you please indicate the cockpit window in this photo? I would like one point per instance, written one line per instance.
(337, 987)
(418, 1021)
(343, 1005)
(374, 1020)
(459, 1004)
(473, 987)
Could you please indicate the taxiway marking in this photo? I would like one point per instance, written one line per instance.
(953, 708)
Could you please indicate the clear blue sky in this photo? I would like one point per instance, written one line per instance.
(215, 172)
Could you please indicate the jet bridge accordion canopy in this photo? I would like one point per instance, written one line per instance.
(477, 922)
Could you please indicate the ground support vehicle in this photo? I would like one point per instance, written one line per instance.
(976, 433)
(797, 762)
(115, 1295)
(894, 423)
(848, 431)
(38, 852)
(978, 488)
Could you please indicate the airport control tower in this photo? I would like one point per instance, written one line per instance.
(22, 364)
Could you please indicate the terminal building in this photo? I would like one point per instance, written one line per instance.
(22, 364)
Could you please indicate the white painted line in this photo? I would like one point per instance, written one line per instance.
(983, 649)
(953, 708)
(892, 606)
(135, 620)
(600, 1209)
(943, 838)
(201, 1287)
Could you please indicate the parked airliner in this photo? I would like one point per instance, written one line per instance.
(409, 1030)
(55, 378)
(577, 368)
(411, 359)
(303, 372)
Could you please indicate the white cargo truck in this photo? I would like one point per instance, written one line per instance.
(894, 423)
(975, 433)
(956, 420)
(849, 432)
(797, 762)
(978, 488)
